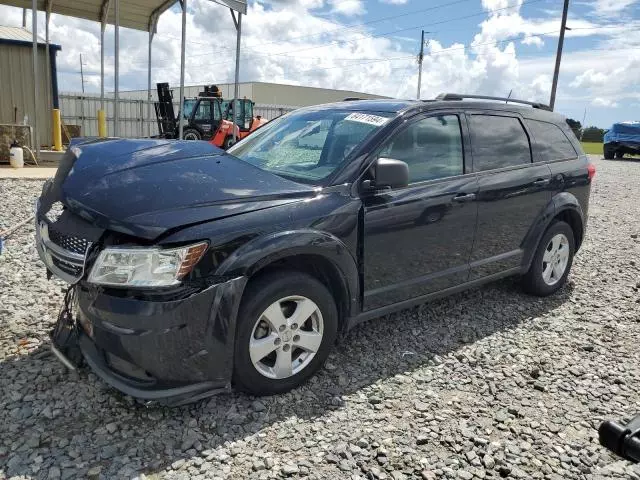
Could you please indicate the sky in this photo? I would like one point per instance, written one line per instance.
(489, 47)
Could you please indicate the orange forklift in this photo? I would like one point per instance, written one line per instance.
(207, 117)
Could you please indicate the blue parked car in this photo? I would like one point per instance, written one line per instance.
(623, 137)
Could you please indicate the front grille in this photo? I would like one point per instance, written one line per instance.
(69, 243)
(64, 255)
(73, 269)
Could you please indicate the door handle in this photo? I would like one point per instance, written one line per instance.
(464, 197)
(541, 182)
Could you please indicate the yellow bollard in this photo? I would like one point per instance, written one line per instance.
(57, 131)
(102, 124)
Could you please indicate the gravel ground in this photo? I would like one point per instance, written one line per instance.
(490, 383)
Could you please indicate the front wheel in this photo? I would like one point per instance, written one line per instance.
(619, 154)
(552, 261)
(609, 153)
(229, 142)
(287, 325)
(191, 134)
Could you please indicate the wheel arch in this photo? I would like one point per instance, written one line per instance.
(564, 206)
(319, 254)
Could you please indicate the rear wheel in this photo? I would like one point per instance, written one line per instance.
(191, 134)
(552, 261)
(287, 325)
(619, 154)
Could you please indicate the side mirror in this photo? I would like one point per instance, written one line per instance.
(390, 173)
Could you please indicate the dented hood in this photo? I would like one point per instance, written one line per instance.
(146, 187)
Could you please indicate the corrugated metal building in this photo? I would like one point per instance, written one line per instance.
(267, 93)
(16, 80)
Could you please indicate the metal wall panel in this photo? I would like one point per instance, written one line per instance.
(82, 110)
(16, 88)
(266, 93)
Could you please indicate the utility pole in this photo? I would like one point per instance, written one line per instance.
(81, 74)
(556, 72)
(24, 18)
(420, 58)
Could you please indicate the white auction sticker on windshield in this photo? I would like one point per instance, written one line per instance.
(367, 118)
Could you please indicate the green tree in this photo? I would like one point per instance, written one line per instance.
(575, 125)
(592, 134)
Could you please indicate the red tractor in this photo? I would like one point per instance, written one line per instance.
(206, 117)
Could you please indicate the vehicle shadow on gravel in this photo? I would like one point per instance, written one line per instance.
(83, 424)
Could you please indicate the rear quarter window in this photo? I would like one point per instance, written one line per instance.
(498, 142)
(550, 142)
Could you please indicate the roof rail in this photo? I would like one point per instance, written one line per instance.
(351, 99)
(457, 96)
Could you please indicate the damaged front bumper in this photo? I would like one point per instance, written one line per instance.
(172, 352)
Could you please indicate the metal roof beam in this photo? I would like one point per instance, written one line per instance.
(104, 13)
(155, 14)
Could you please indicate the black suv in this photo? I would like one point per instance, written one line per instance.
(194, 269)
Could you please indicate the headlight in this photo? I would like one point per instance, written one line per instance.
(145, 267)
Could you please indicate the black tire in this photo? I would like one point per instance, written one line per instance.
(609, 153)
(533, 281)
(191, 134)
(228, 142)
(262, 293)
(619, 154)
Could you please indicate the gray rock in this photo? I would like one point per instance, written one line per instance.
(94, 472)
(54, 473)
(406, 395)
(290, 469)
(488, 462)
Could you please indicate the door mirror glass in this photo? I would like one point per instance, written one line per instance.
(390, 173)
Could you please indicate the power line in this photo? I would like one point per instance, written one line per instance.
(346, 27)
(441, 22)
(382, 35)
(439, 52)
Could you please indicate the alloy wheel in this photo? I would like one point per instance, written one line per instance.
(286, 337)
(555, 259)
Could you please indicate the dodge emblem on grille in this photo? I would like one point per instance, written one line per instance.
(53, 214)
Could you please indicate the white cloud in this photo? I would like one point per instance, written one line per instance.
(611, 6)
(604, 102)
(533, 40)
(348, 7)
(395, 2)
(589, 78)
(541, 85)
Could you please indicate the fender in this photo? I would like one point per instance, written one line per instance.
(561, 202)
(264, 250)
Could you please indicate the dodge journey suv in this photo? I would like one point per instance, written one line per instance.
(193, 269)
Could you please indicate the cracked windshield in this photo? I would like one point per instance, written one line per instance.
(309, 146)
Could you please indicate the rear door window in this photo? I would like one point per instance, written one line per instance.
(550, 141)
(498, 142)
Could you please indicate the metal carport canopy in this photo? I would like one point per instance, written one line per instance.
(134, 14)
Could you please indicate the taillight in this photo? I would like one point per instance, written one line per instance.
(591, 169)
